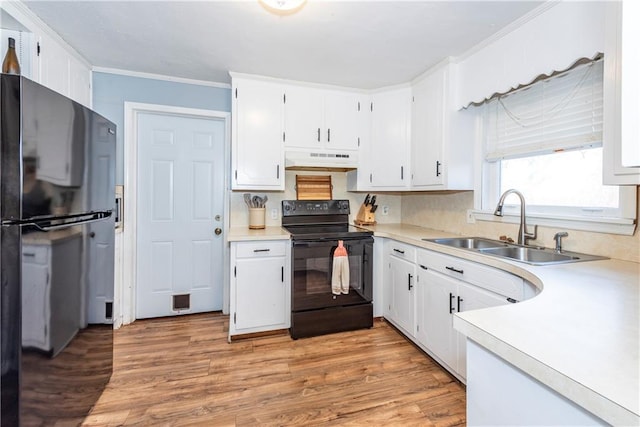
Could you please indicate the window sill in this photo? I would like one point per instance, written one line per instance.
(622, 226)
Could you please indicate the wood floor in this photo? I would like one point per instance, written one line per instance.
(181, 371)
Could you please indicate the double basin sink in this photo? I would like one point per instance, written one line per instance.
(527, 254)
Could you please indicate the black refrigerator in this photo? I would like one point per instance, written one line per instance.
(57, 200)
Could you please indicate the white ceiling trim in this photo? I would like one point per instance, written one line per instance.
(162, 77)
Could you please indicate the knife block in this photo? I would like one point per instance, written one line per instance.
(365, 216)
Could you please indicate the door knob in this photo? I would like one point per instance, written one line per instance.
(92, 234)
(218, 231)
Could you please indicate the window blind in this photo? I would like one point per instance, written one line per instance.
(562, 112)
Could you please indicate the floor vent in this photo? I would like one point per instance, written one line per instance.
(181, 302)
(108, 310)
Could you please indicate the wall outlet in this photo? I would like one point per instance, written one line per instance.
(274, 213)
(385, 210)
(471, 219)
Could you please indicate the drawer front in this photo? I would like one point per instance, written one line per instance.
(489, 278)
(401, 250)
(35, 254)
(266, 248)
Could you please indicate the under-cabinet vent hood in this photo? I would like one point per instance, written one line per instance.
(321, 161)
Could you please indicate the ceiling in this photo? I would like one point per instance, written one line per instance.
(360, 44)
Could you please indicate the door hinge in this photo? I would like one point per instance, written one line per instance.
(236, 174)
(234, 318)
(235, 271)
(236, 93)
(38, 49)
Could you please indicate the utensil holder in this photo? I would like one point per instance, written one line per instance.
(256, 218)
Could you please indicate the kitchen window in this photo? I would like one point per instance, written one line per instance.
(545, 140)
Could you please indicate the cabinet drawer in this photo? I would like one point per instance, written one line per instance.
(401, 250)
(261, 249)
(35, 254)
(489, 278)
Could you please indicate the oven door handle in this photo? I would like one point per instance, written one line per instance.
(327, 242)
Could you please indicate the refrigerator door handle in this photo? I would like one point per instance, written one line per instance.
(54, 222)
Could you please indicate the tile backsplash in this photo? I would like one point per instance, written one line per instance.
(447, 212)
(240, 214)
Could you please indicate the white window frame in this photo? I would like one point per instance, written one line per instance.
(486, 196)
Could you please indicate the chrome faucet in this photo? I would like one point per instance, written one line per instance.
(523, 235)
(558, 238)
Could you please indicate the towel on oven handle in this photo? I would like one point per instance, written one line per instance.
(340, 274)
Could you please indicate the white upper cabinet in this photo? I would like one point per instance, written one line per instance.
(621, 132)
(388, 164)
(441, 138)
(51, 62)
(319, 119)
(257, 148)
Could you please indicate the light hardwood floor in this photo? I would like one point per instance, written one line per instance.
(181, 371)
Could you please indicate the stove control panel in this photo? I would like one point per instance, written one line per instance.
(315, 207)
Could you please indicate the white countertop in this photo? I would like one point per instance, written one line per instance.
(580, 336)
(239, 234)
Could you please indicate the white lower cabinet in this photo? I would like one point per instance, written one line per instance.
(260, 293)
(51, 305)
(424, 289)
(400, 299)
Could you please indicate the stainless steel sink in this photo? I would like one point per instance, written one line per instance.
(468, 242)
(526, 254)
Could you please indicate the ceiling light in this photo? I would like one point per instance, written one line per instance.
(282, 7)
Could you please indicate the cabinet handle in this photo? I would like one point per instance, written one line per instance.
(401, 172)
(455, 270)
(329, 135)
(28, 254)
(423, 267)
(277, 171)
(451, 297)
(438, 168)
(511, 300)
(409, 281)
(282, 273)
(318, 134)
(459, 301)
(398, 250)
(261, 250)
(370, 178)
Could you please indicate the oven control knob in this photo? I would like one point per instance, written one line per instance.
(287, 207)
(344, 205)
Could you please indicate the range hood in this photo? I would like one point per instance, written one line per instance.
(321, 161)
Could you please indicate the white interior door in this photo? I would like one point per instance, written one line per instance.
(180, 190)
(100, 233)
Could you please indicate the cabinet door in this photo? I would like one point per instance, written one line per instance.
(436, 303)
(303, 125)
(427, 136)
(54, 66)
(260, 292)
(403, 276)
(257, 149)
(35, 307)
(341, 114)
(389, 139)
(472, 298)
(79, 82)
(621, 107)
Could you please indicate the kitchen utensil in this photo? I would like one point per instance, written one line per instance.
(366, 200)
(264, 200)
(247, 199)
(373, 200)
(256, 202)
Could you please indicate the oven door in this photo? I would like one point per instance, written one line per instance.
(312, 271)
